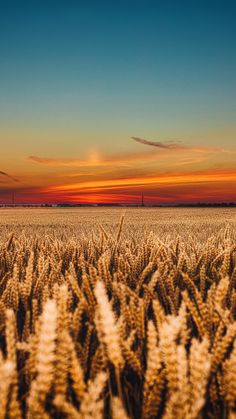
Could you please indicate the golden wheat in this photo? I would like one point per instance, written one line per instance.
(136, 321)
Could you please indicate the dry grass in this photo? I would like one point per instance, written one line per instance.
(100, 319)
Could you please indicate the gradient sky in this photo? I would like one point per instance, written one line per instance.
(79, 79)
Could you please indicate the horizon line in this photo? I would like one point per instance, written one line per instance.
(72, 204)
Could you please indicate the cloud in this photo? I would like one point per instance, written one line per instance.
(175, 178)
(211, 185)
(120, 159)
(169, 144)
(8, 176)
(127, 159)
(66, 162)
(173, 146)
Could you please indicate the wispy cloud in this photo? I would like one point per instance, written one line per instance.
(177, 146)
(126, 159)
(67, 162)
(8, 176)
(119, 159)
(168, 144)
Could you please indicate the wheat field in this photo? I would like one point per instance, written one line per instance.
(112, 313)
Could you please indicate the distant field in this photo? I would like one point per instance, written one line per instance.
(118, 313)
(173, 220)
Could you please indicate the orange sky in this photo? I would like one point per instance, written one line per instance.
(182, 174)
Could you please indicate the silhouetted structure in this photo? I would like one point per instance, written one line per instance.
(142, 200)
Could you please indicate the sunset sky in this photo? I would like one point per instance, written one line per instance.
(101, 101)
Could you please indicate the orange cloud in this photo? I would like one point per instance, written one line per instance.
(125, 159)
(181, 187)
(179, 178)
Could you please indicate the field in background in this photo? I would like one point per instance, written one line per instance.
(115, 313)
(137, 220)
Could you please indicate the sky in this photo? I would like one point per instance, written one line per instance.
(101, 101)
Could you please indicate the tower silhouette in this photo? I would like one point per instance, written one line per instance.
(142, 200)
